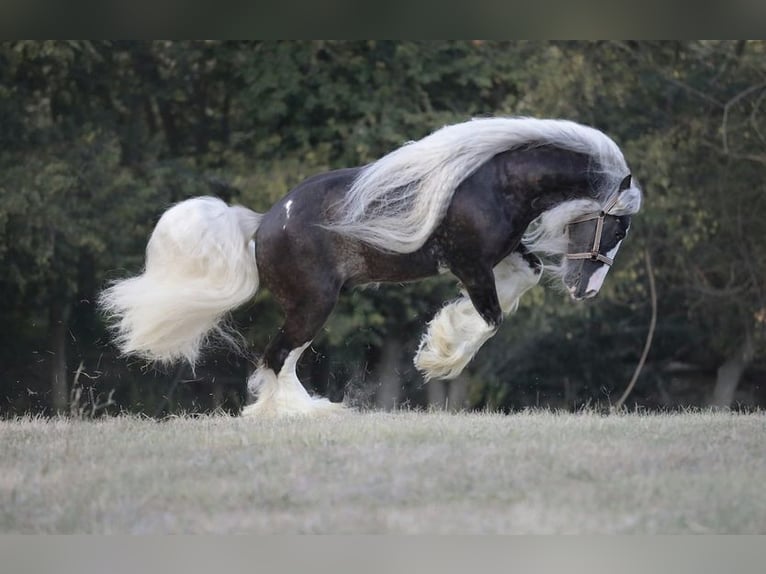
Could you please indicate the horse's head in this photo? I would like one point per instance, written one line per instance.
(594, 240)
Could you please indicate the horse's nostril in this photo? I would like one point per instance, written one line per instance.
(591, 293)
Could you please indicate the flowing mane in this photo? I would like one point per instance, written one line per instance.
(397, 202)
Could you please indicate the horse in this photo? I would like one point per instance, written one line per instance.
(483, 200)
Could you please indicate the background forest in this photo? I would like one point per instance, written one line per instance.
(98, 138)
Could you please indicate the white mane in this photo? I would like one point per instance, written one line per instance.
(397, 202)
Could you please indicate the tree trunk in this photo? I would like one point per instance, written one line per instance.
(387, 373)
(437, 394)
(457, 393)
(216, 394)
(147, 67)
(730, 373)
(448, 395)
(57, 332)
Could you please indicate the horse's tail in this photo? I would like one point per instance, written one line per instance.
(200, 264)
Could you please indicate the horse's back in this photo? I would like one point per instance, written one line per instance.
(309, 202)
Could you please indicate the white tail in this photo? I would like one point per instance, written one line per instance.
(200, 264)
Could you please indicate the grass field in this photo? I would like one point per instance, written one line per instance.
(376, 472)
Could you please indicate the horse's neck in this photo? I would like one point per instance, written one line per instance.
(538, 179)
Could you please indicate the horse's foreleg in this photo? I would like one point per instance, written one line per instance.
(275, 383)
(459, 330)
(515, 275)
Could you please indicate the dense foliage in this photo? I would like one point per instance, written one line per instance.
(98, 138)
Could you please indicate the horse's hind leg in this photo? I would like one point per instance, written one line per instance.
(460, 328)
(275, 382)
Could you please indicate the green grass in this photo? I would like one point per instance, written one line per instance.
(376, 472)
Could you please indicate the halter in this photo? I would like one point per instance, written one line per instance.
(593, 254)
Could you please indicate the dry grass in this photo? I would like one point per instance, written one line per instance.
(376, 472)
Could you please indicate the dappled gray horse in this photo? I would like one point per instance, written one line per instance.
(478, 199)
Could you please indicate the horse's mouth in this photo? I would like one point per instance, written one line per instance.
(576, 294)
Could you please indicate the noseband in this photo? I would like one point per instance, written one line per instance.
(593, 254)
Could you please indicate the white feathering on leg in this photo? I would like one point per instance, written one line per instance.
(453, 337)
(285, 395)
(457, 331)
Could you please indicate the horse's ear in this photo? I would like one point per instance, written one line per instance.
(625, 184)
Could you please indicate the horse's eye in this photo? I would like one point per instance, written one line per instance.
(620, 235)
